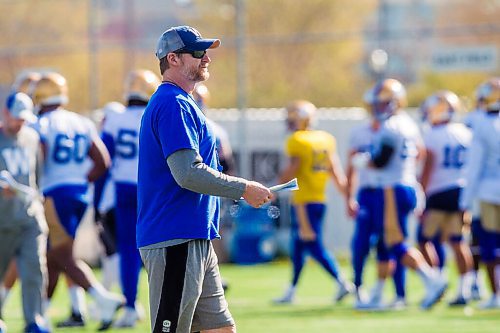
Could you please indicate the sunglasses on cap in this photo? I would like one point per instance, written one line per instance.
(195, 54)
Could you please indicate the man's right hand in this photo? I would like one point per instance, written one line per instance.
(352, 208)
(257, 194)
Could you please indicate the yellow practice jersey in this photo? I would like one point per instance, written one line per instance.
(314, 149)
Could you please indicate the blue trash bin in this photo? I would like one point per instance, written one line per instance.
(254, 237)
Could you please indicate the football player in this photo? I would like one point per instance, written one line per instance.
(396, 147)
(483, 183)
(361, 140)
(442, 180)
(104, 210)
(313, 161)
(74, 157)
(477, 289)
(121, 136)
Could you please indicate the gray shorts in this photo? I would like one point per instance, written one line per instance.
(185, 288)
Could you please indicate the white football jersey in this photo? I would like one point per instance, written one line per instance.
(483, 162)
(471, 117)
(361, 140)
(401, 132)
(448, 144)
(123, 128)
(68, 137)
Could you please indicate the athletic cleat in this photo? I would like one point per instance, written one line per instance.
(128, 318)
(434, 293)
(492, 303)
(108, 305)
(3, 327)
(105, 325)
(375, 303)
(74, 320)
(459, 301)
(398, 304)
(287, 298)
(475, 292)
(34, 328)
(344, 290)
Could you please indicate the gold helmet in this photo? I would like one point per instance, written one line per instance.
(385, 98)
(488, 94)
(300, 114)
(141, 84)
(24, 80)
(201, 95)
(51, 89)
(440, 107)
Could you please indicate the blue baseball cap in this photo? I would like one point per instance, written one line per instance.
(20, 106)
(183, 37)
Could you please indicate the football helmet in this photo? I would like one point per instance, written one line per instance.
(201, 95)
(24, 80)
(300, 115)
(440, 107)
(51, 89)
(488, 94)
(141, 84)
(385, 98)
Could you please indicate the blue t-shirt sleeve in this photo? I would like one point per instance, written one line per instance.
(177, 128)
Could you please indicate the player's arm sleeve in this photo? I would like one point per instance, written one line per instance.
(191, 173)
(383, 155)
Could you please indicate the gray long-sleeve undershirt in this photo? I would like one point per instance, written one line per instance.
(191, 173)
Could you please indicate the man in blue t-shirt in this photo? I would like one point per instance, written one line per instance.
(179, 185)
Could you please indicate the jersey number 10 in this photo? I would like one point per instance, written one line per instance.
(453, 156)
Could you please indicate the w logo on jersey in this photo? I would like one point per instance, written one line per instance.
(16, 160)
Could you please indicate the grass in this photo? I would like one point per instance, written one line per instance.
(253, 287)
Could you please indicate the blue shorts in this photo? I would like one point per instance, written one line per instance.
(70, 203)
(446, 201)
(388, 209)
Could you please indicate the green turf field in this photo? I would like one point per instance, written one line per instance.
(253, 287)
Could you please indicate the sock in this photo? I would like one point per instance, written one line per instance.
(77, 297)
(426, 274)
(97, 291)
(474, 277)
(340, 281)
(45, 311)
(290, 292)
(110, 269)
(379, 287)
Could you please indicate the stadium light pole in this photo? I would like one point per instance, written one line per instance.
(241, 73)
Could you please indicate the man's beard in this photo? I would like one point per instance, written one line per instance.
(196, 74)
